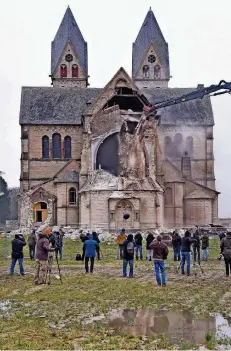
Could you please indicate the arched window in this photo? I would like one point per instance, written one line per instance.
(45, 146)
(63, 71)
(168, 146)
(108, 155)
(157, 72)
(189, 146)
(178, 148)
(168, 196)
(67, 147)
(56, 145)
(72, 196)
(145, 71)
(75, 71)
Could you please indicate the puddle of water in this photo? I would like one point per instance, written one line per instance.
(177, 325)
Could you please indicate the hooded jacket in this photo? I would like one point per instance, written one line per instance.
(89, 247)
(127, 255)
(226, 246)
(42, 248)
(138, 239)
(17, 247)
(176, 241)
(149, 240)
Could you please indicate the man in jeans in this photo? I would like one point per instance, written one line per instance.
(128, 255)
(120, 241)
(205, 247)
(196, 245)
(90, 247)
(17, 253)
(160, 253)
(185, 252)
(138, 241)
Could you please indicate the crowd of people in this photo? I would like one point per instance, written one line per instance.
(129, 247)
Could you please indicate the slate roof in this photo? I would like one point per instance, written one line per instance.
(69, 31)
(55, 105)
(69, 177)
(150, 32)
(65, 106)
(195, 112)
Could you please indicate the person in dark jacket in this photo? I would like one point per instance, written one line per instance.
(58, 244)
(128, 255)
(41, 257)
(89, 252)
(176, 244)
(31, 243)
(196, 245)
(226, 252)
(221, 236)
(160, 254)
(149, 240)
(185, 251)
(96, 238)
(18, 244)
(205, 247)
(138, 241)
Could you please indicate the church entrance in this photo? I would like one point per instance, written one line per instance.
(40, 212)
(122, 207)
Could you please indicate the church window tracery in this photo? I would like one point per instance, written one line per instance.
(145, 71)
(63, 71)
(67, 147)
(45, 146)
(56, 145)
(75, 71)
(151, 58)
(157, 72)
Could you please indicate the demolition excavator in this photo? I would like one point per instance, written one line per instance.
(224, 86)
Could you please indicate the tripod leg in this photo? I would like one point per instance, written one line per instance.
(59, 270)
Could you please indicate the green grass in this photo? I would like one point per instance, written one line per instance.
(53, 317)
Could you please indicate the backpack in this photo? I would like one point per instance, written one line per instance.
(130, 248)
(78, 257)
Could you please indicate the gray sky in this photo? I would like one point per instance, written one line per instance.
(199, 44)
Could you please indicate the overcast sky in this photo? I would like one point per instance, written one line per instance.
(199, 38)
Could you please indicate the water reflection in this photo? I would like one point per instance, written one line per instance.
(177, 325)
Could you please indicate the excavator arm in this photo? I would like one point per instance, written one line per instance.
(197, 94)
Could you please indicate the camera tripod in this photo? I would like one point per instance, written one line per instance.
(49, 270)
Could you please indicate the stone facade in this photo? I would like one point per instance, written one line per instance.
(89, 155)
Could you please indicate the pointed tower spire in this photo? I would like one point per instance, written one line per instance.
(150, 57)
(69, 41)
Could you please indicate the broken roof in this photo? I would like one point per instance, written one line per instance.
(66, 106)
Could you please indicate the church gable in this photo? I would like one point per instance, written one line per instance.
(69, 170)
(196, 191)
(120, 85)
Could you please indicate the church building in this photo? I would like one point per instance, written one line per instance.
(90, 154)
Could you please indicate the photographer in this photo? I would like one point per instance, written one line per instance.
(17, 253)
(185, 252)
(226, 252)
(41, 256)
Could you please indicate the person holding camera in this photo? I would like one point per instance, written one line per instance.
(18, 244)
(226, 252)
(160, 254)
(185, 252)
(42, 250)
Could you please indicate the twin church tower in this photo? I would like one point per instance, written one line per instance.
(69, 55)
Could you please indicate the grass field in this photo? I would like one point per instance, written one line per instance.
(74, 315)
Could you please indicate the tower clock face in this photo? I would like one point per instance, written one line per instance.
(151, 58)
(69, 58)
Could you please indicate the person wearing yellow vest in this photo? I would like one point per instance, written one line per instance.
(120, 240)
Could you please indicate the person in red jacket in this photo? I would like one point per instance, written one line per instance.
(160, 254)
